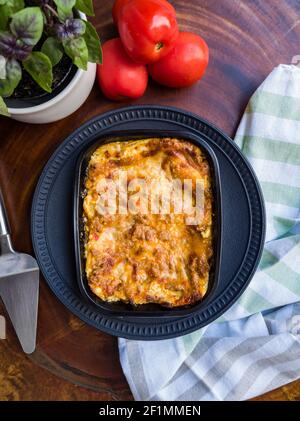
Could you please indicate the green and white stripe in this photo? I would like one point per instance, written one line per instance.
(255, 346)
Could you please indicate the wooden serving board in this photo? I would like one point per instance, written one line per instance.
(247, 38)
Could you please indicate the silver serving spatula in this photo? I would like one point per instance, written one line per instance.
(19, 286)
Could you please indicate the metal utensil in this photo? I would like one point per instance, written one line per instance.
(19, 286)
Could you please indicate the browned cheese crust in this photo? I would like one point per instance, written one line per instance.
(148, 258)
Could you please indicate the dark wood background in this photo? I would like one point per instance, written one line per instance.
(247, 38)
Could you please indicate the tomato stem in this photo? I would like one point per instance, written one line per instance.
(159, 46)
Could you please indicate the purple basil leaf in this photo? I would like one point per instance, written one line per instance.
(71, 28)
(27, 25)
(59, 30)
(10, 47)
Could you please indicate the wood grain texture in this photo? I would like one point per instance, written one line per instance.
(247, 38)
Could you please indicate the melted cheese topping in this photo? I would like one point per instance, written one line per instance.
(148, 258)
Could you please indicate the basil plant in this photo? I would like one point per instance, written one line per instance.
(35, 37)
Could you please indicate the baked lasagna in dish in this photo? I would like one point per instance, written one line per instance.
(137, 251)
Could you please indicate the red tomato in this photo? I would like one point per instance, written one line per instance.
(184, 65)
(119, 77)
(118, 4)
(148, 28)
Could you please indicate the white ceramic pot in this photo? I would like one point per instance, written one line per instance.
(62, 105)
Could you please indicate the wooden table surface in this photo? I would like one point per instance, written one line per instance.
(247, 38)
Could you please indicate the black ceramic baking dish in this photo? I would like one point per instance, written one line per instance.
(146, 310)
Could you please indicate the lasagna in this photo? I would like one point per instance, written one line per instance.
(136, 254)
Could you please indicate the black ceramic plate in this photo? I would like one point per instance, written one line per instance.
(242, 212)
(146, 310)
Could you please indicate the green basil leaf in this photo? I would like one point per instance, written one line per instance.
(7, 9)
(3, 17)
(39, 66)
(13, 77)
(3, 108)
(65, 5)
(85, 6)
(27, 25)
(53, 49)
(77, 50)
(93, 43)
(16, 5)
(63, 16)
(2, 67)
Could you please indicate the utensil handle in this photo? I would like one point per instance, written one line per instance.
(4, 224)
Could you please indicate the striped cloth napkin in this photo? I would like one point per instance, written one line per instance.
(255, 346)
